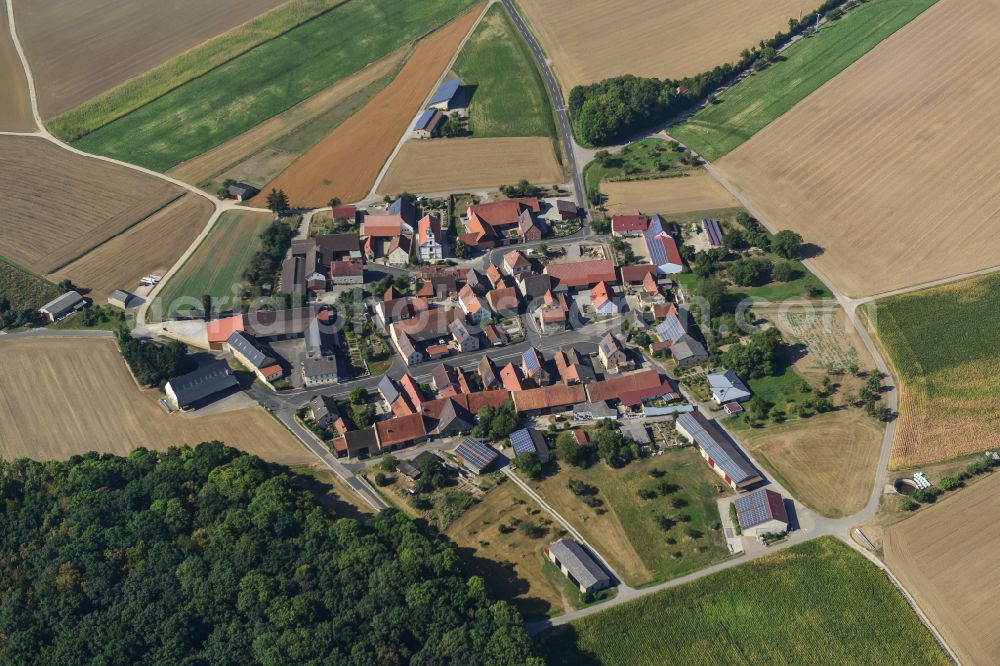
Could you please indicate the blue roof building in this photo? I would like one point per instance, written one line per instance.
(529, 440)
(722, 455)
(446, 97)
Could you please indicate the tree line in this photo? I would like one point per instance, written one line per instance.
(274, 243)
(150, 363)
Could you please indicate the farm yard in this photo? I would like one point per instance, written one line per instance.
(895, 184)
(59, 205)
(817, 602)
(15, 105)
(261, 83)
(216, 267)
(153, 246)
(453, 165)
(945, 555)
(80, 48)
(82, 398)
(346, 163)
(753, 103)
(260, 154)
(944, 348)
(509, 98)
(585, 39)
(667, 196)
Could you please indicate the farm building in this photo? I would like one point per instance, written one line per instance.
(713, 230)
(629, 225)
(242, 191)
(60, 307)
(722, 455)
(448, 96)
(476, 456)
(529, 440)
(120, 298)
(577, 565)
(762, 512)
(583, 273)
(662, 248)
(727, 387)
(428, 124)
(594, 411)
(567, 209)
(400, 431)
(548, 399)
(356, 443)
(248, 351)
(211, 378)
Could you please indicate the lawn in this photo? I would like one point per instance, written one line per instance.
(815, 603)
(509, 98)
(648, 556)
(781, 389)
(753, 103)
(803, 284)
(23, 289)
(265, 81)
(648, 158)
(216, 266)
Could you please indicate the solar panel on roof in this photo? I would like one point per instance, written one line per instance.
(670, 329)
(522, 442)
(531, 360)
(753, 509)
(476, 454)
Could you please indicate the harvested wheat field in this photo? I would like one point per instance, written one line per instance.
(58, 204)
(449, 165)
(946, 558)
(75, 395)
(590, 40)
(152, 246)
(79, 48)
(15, 105)
(346, 163)
(667, 195)
(891, 167)
(240, 157)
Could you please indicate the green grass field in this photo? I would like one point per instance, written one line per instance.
(265, 81)
(23, 289)
(509, 97)
(753, 103)
(815, 603)
(216, 265)
(803, 281)
(647, 157)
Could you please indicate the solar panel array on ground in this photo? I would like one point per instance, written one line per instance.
(475, 455)
(714, 231)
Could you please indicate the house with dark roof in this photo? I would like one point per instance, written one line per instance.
(399, 250)
(449, 417)
(319, 370)
(530, 227)
(488, 373)
(721, 454)
(120, 298)
(210, 379)
(62, 306)
(533, 366)
(533, 288)
(465, 339)
(248, 351)
(323, 411)
(687, 350)
(428, 124)
(438, 287)
(578, 565)
(407, 212)
(613, 355)
(762, 512)
(356, 443)
(242, 191)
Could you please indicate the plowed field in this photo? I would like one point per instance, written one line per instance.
(15, 107)
(667, 195)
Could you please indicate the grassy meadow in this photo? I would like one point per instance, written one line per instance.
(650, 158)
(242, 92)
(815, 603)
(753, 103)
(509, 97)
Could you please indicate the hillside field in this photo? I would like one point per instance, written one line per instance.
(890, 169)
(82, 398)
(756, 101)
(945, 351)
(15, 105)
(233, 97)
(815, 603)
(58, 205)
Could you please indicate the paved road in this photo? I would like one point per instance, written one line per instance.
(557, 102)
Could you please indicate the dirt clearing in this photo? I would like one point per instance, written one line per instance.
(15, 105)
(81, 398)
(79, 48)
(57, 205)
(152, 246)
(590, 40)
(450, 165)
(945, 556)
(346, 163)
(891, 167)
(667, 195)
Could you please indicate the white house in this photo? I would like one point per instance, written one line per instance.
(727, 387)
(429, 239)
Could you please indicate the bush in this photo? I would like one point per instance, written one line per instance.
(750, 272)
(647, 494)
(926, 495)
(664, 523)
(388, 464)
(907, 504)
(949, 482)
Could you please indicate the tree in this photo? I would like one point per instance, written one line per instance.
(571, 452)
(750, 272)
(755, 359)
(529, 464)
(277, 201)
(461, 249)
(614, 449)
(206, 305)
(783, 271)
(713, 292)
(388, 464)
(602, 157)
(358, 396)
(787, 244)
(334, 202)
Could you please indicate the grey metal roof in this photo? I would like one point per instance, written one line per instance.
(210, 378)
(579, 563)
(65, 302)
(247, 346)
(314, 366)
(322, 407)
(121, 296)
(388, 389)
(726, 455)
(637, 433)
(446, 91)
(598, 409)
(688, 348)
(727, 387)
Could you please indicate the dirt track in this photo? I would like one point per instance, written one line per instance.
(668, 195)
(152, 246)
(79, 48)
(891, 167)
(346, 163)
(442, 165)
(74, 395)
(15, 105)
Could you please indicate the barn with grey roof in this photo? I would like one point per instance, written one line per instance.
(721, 454)
(578, 565)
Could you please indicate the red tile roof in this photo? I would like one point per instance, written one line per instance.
(610, 389)
(514, 259)
(344, 211)
(670, 249)
(383, 226)
(583, 273)
(503, 213)
(503, 299)
(638, 396)
(629, 223)
(219, 330)
(411, 390)
(400, 430)
(427, 227)
(581, 437)
(637, 272)
(345, 268)
(547, 397)
(510, 377)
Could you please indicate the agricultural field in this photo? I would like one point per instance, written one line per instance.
(15, 105)
(216, 267)
(893, 182)
(454, 165)
(83, 398)
(153, 246)
(586, 40)
(749, 106)
(509, 98)
(818, 602)
(267, 80)
(260, 154)
(346, 163)
(694, 192)
(627, 533)
(80, 48)
(650, 158)
(23, 289)
(58, 205)
(945, 555)
(946, 365)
